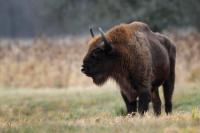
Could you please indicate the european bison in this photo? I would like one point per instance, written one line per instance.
(139, 60)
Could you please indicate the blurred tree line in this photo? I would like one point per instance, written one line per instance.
(58, 17)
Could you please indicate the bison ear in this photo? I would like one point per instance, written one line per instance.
(108, 47)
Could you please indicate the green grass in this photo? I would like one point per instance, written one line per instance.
(91, 110)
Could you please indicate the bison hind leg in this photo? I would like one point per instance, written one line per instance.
(168, 92)
(168, 88)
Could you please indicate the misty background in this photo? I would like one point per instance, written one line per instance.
(32, 18)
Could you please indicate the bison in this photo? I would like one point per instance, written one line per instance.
(139, 60)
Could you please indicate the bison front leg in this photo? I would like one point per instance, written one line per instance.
(143, 102)
(131, 106)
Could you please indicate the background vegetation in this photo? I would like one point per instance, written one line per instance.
(56, 63)
(27, 18)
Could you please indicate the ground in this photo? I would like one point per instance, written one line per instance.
(90, 109)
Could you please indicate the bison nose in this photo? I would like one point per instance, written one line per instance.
(84, 69)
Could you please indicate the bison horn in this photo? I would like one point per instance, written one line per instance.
(91, 32)
(106, 43)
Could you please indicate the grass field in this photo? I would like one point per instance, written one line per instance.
(43, 91)
(92, 109)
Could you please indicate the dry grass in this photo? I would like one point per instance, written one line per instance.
(92, 110)
(56, 63)
(41, 62)
(188, 55)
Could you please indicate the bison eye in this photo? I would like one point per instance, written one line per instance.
(97, 53)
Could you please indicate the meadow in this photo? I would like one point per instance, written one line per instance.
(92, 110)
(43, 90)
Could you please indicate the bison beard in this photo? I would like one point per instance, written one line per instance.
(139, 60)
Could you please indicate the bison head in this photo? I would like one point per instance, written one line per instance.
(100, 59)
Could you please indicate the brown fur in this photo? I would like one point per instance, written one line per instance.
(141, 62)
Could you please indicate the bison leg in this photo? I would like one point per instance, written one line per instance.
(143, 102)
(156, 101)
(168, 88)
(131, 106)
